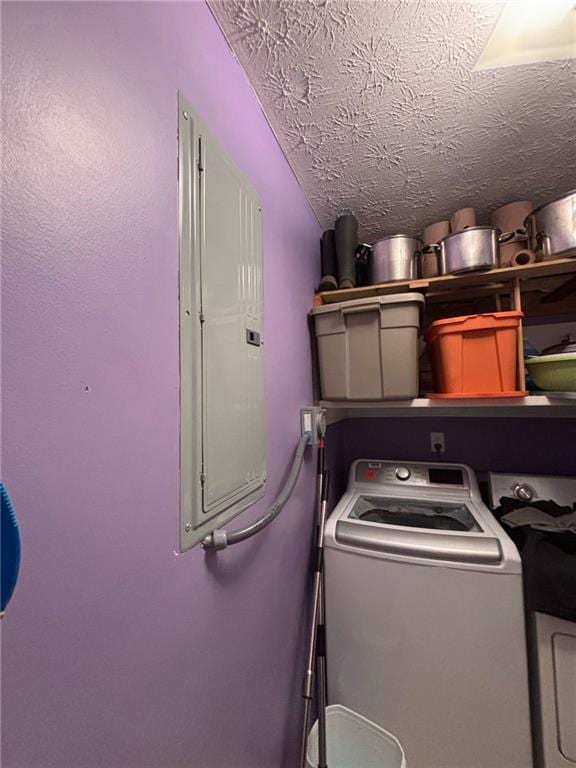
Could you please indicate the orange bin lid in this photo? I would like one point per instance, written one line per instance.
(483, 322)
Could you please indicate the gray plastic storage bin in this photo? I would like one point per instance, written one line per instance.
(368, 348)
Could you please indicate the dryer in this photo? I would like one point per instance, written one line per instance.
(424, 616)
(551, 640)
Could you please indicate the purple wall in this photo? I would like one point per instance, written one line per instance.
(118, 653)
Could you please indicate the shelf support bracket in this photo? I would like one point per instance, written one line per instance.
(517, 302)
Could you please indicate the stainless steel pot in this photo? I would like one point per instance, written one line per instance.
(552, 228)
(394, 258)
(475, 248)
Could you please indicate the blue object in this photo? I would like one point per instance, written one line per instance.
(10, 545)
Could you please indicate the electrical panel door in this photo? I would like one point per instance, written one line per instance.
(222, 399)
(233, 437)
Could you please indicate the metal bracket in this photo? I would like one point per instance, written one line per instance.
(215, 540)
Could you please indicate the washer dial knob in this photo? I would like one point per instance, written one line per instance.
(523, 491)
(403, 473)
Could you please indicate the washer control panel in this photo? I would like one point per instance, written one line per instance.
(529, 488)
(400, 473)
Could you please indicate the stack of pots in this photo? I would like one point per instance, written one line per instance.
(446, 247)
(509, 219)
(468, 250)
(459, 245)
(518, 235)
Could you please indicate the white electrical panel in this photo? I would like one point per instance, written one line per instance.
(222, 446)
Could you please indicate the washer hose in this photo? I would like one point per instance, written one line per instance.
(219, 539)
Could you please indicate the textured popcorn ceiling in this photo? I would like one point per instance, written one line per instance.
(379, 112)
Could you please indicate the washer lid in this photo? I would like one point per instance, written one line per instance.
(433, 530)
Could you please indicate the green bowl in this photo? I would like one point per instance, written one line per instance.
(553, 373)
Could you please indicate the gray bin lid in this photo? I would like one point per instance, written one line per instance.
(377, 301)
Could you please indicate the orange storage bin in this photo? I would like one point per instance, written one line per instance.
(475, 355)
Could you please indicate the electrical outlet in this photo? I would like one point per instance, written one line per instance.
(437, 442)
(306, 420)
(313, 421)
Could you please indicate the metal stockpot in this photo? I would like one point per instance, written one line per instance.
(394, 258)
(552, 228)
(470, 249)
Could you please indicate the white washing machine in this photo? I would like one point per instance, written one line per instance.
(552, 641)
(425, 619)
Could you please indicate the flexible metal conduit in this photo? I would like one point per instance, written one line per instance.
(219, 539)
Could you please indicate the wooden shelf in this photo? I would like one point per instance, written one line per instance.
(560, 405)
(543, 289)
(549, 288)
